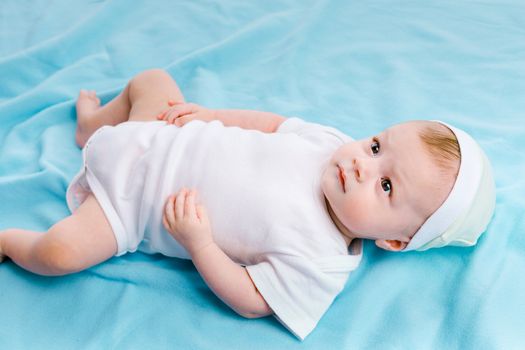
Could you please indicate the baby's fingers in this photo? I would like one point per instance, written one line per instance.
(189, 206)
(183, 120)
(179, 111)
(169, 213)
(180, 200)
(202, 214)
(162, 115)
(165, 223)
(171, 116)
(168, 115)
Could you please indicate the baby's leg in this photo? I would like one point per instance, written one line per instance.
(149, 93)
(145, 96)
(74, 244)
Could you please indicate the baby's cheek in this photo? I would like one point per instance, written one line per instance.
(358, 216)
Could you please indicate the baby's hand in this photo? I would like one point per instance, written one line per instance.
(187, 221)
(182, 113)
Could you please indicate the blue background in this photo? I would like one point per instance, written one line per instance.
(357, 65)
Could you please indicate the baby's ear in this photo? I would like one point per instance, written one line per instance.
(392, 245)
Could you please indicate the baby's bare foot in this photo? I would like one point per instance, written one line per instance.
(87, 104)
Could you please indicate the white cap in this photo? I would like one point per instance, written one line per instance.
(466, 212)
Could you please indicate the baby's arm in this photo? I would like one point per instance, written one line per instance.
(188, 224)
(182, 113)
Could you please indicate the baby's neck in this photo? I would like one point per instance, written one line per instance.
(347, 235)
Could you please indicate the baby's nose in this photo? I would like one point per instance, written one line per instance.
(363, 169)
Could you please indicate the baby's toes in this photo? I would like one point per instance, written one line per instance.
(93, 96)
(87, 103)
(83, 98)
(83, 94)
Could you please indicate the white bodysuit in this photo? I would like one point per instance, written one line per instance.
(261, 191)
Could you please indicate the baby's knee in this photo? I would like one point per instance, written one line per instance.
(147, 81)
(150, 76)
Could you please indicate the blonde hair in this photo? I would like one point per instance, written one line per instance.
(443, 147)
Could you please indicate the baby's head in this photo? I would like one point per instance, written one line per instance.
(416, 185)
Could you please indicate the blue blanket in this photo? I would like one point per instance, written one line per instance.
(356, 65)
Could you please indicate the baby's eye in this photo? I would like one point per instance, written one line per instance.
(386, 185)
(375, 147)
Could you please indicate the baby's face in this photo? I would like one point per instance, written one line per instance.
(383, 187)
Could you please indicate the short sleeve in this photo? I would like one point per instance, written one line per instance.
(298, 290)
(312, 131)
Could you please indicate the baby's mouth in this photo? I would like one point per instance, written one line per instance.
(342, 177)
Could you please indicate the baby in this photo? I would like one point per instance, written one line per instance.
(281, 206)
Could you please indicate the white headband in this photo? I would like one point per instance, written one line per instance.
(465, 213)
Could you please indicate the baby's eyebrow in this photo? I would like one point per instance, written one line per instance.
(386, 136)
